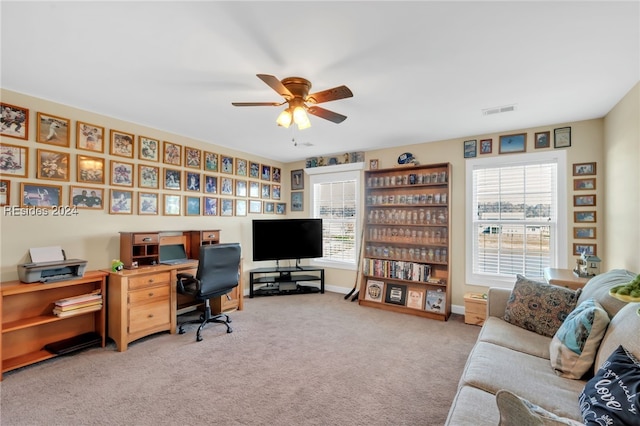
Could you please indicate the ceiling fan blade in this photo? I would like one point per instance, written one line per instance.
(326, 114)
(256, 103)
(339, 92)
(276, 85)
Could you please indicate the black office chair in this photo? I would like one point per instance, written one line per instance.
(217, 275)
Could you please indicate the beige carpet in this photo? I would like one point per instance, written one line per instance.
(292, 360)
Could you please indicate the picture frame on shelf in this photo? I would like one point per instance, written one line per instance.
(242, 168)
(121, 173)
(395, 294)
(84, 197)
(254, 170)
(374, 291)
(255, 206)
(211, 161)
(373, 164)
(562, 137)
(486, 146)
(297, 201)
(171, 205)
(585, 217)
(15, 123)
(89, 169)
(587, 232)
(14, 160)
(436, 301)
(192, 181)
(40, 195)
(52, 129)
(210, 206)
(588, 249)
(254, 189)
(171, 153)
(584, 169)
(226, 186)
(5, 192)
(147, 203)
(281, 208)
(584, 184)
(226, 164)
(210, 184)
(120, 201)
(512, 144)
(226, 207)
(584, 200)
(276, 174)
(192, 206)
(172, 179)
(148, 149)
(148, 176)
(89, 137)
(470, 148)
(241, 207)
(192, 158)
(297, 179)
(269, 207)
(52, 165)
(542, 140)
(415, 298)
(122, 143)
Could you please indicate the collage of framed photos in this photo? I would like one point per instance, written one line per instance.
(140, 175)
(517, 143)
(584, 205)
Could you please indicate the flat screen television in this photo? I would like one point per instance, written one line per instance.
(280, 239)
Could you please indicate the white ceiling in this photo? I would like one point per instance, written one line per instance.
(420, 71)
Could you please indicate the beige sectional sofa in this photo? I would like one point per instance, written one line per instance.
(508, 357)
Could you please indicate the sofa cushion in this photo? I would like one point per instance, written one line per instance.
(472, 406)
(611, 396)
(539, 307)
(598, 288)
(622, 330)
(516, 411)
(498, 331)
(574, 347)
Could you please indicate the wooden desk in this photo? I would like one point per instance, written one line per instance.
(564, 278)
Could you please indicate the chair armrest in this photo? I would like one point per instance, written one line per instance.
(185, 279)
(497, 301)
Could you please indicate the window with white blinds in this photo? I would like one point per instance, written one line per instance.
(516, 217)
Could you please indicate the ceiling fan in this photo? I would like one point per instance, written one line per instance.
(295, 91)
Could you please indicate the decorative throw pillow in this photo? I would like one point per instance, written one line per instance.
(611, 396)
(516, 411)
(539, 307)
(574, 347)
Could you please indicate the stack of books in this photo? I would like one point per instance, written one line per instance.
(78, 304)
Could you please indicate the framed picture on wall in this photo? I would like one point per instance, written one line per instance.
(281, 208)
(89, 137)
(121, 202)
(584, 184)
(84, 197)
(584, 169)
(122, 144)
(52, 165)
(242, 168)
(192, 181)
(14, 160)
(121, 173)
(584, 200)
(542, 140)
(562, 137)
(241, 207)
(486, 146)
(210, 206)
(580, 248)
(15, 121)
(584, 217)
(226, 186)
(297, 179)
(171, 205)
(192, 206)
(192, 158)
(210, 161)
(172, 179)
(269, 207)
(470, 148)
(40, 195)
(210, 184)
(52, 129)
(5, 192)
(226, 164)
(255, 206)
(297, 201)
(172, 153)
(90, 169)
(276, 174)
(254, 170)
(148, 176)
(148, 149)
(510, 144)
(226, 207)
(241, 188)
(254, 189)
(147, 203)
(587, 232)
(265, 172)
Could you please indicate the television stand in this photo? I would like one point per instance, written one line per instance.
(281, 281)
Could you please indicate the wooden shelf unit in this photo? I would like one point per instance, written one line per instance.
(407, 240)
(28, 322)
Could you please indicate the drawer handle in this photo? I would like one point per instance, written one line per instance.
(150, 280)
(211, 235)
(151, 294)
(150, 316)
(146, 239)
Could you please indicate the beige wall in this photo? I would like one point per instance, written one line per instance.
(622, 184)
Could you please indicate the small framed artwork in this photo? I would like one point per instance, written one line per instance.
(226, 164)
(266, 190)
(276, 174)
(90, 169)
(121, 173)
(242, 169)
(584, 184)
(171, 205)
(192, 206)
(147, 203)
(52, 129)
(269, 207)
(15, 121)
(192, 181)
(584, 200)
(584, 169)
(588, 249)
(255, 206)
(297, 179)
(121, 144)
(226, 186)
(241, 188)
(148, 176)
(226, 207)
(172, 153)
(486, 146)
(373, 164)
(275, 192)
(52, 165)
(172, 179)
(470, 148)
(121, 202)
(584, 217)
(192, 158)
(86, 197)
(584, 232)
(297, 201)
(40, 195)
(254, 170)
(281, 208)
(210, 161)
(241, 207)
(5, 192)
(254, 189)
(210, 206)
(542, 140)
(210, 184)
(562, 137)
(89, 137)
(14, 160)
(265, 172)
(510, 144)
(396, 294)
(148, 149)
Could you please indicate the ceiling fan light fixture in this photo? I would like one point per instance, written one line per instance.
(284, 119)
(301, 118)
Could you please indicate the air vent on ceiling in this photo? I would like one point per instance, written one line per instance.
(498, 110)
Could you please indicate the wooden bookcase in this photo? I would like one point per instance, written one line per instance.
(28, 322)
(407, 236)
